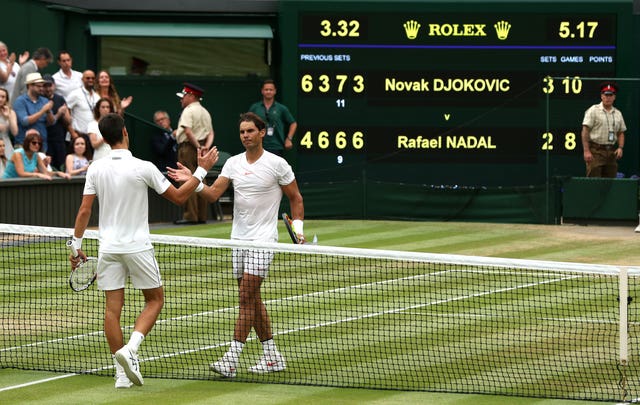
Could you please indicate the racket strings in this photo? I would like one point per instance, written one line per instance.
(83, 275)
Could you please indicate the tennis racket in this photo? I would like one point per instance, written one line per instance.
(288, 224)
(84, 275)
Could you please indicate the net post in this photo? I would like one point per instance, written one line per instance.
(623, 282)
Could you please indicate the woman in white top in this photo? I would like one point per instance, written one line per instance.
(9, 67)
(77, 162)
(101, 149)
(8, 121)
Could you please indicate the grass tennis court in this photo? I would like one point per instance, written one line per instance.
(515, 241)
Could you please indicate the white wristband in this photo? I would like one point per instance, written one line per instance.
(298, 227)
(76, 243)
(200, 187)
(200, 173)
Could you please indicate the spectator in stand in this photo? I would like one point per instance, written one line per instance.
(164, 143)
(33, 110)
(103, 107)
(66, 78)
(40, 59)
(3, 157)
(81, 102)
(8, 122)
(9, 68)
(106, 89)
(281, 126)
(56, 132)
(77, 162)
(26, 162)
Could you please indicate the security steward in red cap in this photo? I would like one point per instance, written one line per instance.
(194, 134)
(603, 130)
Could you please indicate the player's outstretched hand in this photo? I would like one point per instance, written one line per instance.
(207, 159)
(181, 174)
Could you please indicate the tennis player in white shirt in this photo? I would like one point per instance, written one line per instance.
(259, 180)
(120, 182)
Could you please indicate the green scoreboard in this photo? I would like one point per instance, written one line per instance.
(458, 93)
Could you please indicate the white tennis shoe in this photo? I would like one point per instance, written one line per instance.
(227, 365)
(269, 363)
(129, 362)
(122, 381)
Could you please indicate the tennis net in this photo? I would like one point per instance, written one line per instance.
(341, 317)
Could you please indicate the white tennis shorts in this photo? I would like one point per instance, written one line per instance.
(251, 261)
(141, 267)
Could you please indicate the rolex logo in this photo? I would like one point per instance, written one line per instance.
(411, 28)
(502, 29)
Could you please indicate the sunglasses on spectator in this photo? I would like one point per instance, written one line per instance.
(36, 143)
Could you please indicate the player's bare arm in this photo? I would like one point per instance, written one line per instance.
(295, 200)
(82, 221)
(297, 207)
(214, 192)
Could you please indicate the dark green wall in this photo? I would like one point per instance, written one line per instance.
(28, 24)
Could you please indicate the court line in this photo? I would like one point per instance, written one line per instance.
(59, 377)
(206, 313)
(186, 317)
(364, 316)
(308, 327)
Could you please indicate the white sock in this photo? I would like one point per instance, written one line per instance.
(135, 340)
(269, 346)
(236, 347)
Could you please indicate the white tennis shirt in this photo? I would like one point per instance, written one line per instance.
(257, 194)
(121, 183)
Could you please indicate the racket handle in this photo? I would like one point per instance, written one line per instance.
(74, 251)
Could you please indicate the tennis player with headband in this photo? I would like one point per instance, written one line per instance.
(120, 182)
(259, 180)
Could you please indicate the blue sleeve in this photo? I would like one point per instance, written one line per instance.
(20, 107)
